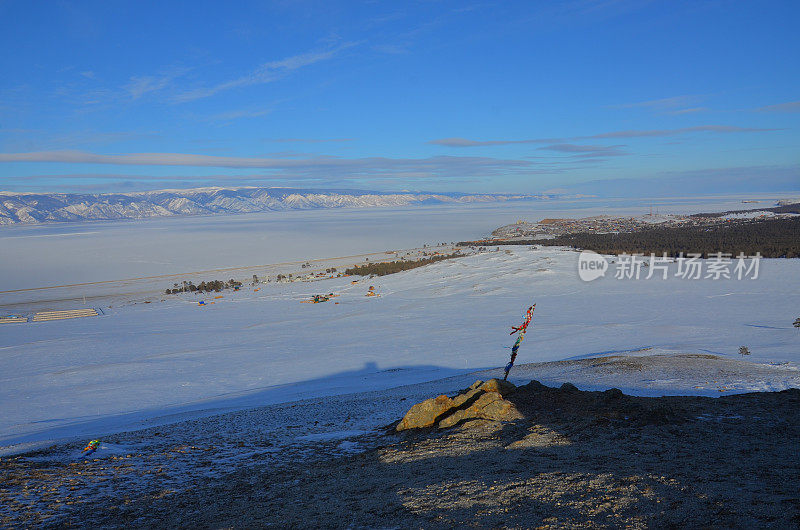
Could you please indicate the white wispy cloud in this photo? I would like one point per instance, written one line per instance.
(146, 159)
(675, 105)
(789, 106)
(391, 49)
(586, 150)
(41, 140)
(725, 129)
(311, 140)
(465, 142)
(185, 159)
(141, 85)
(632, 133)
(691, 110)
(266, 73)
(323, 168)
(661, 103)
(239, 114)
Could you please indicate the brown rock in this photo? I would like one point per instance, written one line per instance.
(462, 399)
(480, 401)
(490, 406)
(499, 409)
(496, 385)
(425, 414)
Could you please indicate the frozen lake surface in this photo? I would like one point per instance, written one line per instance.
(66, 253)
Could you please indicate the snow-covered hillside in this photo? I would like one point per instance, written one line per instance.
(48, 207)
(250, 348)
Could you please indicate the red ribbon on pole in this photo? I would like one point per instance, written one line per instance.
(521, 330)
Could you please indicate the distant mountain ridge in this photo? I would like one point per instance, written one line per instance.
(31, 208)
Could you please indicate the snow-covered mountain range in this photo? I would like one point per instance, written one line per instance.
(53, 207)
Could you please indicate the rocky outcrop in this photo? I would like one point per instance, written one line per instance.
(480, 401)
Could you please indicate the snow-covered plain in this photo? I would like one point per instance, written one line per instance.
(144, 364)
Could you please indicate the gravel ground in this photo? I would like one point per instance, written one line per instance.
(56, 486)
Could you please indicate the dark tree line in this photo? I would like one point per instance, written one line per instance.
(203, 287)
(390, 267)
(773, 238)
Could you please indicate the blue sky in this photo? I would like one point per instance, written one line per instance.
(443, 96)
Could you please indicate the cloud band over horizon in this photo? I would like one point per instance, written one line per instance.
(465, 142)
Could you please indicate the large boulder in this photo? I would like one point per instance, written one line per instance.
(426, 414)
(479, 401)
